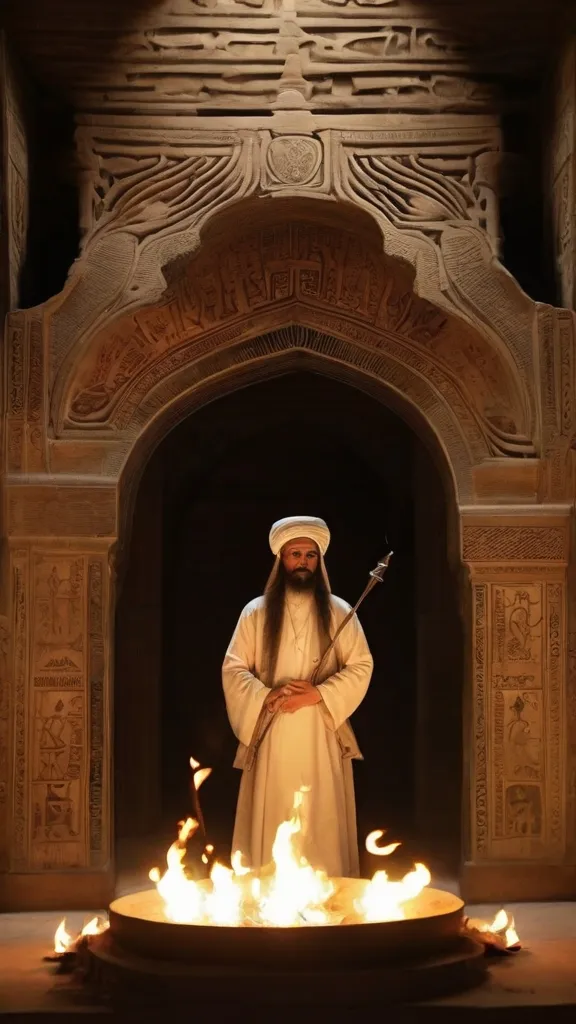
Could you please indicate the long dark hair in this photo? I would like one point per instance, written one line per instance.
(274, 616)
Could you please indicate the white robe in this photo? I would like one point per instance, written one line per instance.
(303, 748)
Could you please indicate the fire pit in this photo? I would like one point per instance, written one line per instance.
(289, 933)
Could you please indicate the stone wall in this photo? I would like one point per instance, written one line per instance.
(562, 174)
(342, 217)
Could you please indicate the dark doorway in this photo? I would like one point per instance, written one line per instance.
(301, 443)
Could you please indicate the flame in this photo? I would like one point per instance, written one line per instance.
(62, 940)
(291, 894)
(383, 900)
(200, 774)
(379, 851)
(237, 866)
(95, 927)
(503, 927)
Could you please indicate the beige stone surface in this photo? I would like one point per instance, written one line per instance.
(336, 208)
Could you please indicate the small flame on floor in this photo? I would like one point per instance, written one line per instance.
(499, 934)
(63, 941)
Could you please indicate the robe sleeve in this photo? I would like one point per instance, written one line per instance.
(345, 690)
(243, 691)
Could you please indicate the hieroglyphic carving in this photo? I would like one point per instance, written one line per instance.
(562, 174)
(523, 703)
(557, 344)
(61, 511)
(15, 393)
(21, 626)
(96, 681)
(263, 269)
(516, 670)
(517, 747)
(15, 172)
(556, 674)
(516, 543)
(59, 765)
(58, 615)
(5, 745)
(240, 56)
(59, 755)
(479, 793)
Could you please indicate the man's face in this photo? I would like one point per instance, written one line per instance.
(300, 560)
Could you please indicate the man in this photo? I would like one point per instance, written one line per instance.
(279, 640)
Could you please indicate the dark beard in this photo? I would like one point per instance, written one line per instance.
(274, 614)
(301, 580)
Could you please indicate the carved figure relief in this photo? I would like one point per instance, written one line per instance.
(58, 640)
(523, 812)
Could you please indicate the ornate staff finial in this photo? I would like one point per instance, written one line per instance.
(378, 572)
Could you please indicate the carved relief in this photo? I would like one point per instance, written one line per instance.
(160, 194)
(59, 756)
(59, 760)
(96, 682)
(58, 615)
(351, 55)
(260, 270)
(480, 770)
(292, 160)
(15, 172)
(520, 716)
(556, 335)
(428, 192)
(5, 745)
(562, 166)
(21, 628)
(516, 543)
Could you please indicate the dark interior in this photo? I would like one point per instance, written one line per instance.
(199, 552)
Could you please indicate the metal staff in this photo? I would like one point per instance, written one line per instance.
(266, 717)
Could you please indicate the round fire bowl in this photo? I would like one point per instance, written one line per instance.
(433, 920)
(145, 960)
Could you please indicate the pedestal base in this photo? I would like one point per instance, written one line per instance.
(127, 980)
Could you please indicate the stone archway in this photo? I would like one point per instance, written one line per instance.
(92, 392)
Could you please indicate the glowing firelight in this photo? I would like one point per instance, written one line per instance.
(291, 894)
(95, 927)
(379, 851)
(65, 943)
(62, 940)
(200, 774)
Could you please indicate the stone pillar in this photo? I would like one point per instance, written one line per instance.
(516, 719)
(562, 175)
(59, 816)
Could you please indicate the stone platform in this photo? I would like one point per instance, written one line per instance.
(539, 983)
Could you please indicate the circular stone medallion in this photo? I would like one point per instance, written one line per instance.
(294, 159)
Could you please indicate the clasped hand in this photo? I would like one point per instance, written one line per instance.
(296, 694)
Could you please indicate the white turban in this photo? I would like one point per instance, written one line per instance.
(299, 526)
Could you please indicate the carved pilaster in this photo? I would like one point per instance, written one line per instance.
(562, 175)
(60, 746)
(519, 682)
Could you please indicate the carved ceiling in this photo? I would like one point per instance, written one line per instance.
(215, 56)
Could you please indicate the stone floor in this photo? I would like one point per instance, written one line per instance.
(537, 983)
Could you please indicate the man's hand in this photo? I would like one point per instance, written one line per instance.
(275, 698)
(298, 693)
(302, 695)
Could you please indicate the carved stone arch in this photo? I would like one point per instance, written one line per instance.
(404, 257)
(287, 349)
